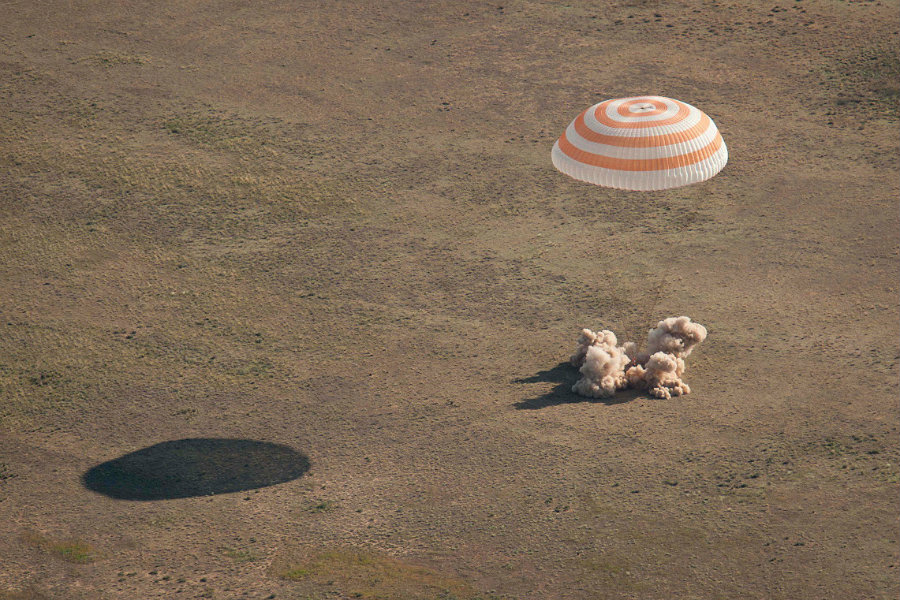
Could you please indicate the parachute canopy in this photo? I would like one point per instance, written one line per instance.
(641, 143)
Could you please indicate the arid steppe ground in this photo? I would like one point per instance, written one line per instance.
(335, 227)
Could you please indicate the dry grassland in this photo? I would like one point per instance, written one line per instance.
(335, 227)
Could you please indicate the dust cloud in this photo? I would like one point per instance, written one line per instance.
(607, 367)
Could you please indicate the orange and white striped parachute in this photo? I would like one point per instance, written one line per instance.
(641, 143)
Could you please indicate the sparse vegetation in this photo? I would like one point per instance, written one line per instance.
(331, 230)
(26, 594)
(241, 555)
(322, 506)
(868, 76)
(71, 550)
(110, 58)
(220, 132)
(373, 576)
(609, 572)
(5, 472)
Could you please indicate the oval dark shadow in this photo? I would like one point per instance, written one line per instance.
(195, 467)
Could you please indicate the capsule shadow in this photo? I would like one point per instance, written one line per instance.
(195, 467)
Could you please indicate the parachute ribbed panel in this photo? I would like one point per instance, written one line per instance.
(641, 143)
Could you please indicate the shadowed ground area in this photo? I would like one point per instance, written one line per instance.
(565, 376)
(195, 467)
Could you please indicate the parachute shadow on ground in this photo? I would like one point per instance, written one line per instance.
(565, 376)
(195, 467)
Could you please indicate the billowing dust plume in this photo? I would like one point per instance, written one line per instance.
(607, 367)
(602, 364)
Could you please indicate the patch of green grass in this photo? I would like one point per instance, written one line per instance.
(370, 576)
(323, 506)
(164, 521)
(239, 555)
(70, 550)
(74, 551)
(253, 368)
